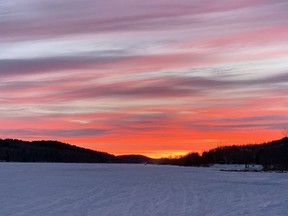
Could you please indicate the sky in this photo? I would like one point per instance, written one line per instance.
(158, 78)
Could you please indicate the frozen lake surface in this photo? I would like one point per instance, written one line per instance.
(138, 190)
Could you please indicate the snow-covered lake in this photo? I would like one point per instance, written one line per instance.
(138, 190)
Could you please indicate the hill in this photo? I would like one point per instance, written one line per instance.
(136, 159)
(13, 150)
(49, 151)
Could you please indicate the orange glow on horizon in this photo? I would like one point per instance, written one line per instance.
(156, 147)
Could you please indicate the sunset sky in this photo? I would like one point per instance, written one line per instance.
(158, 78)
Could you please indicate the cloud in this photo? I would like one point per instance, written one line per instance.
(120, 72)
(45, 18)
(57, 133)
(44, 65)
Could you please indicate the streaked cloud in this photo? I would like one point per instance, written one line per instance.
(141, 76)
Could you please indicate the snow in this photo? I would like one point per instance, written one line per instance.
(237, 167)
(33, 189)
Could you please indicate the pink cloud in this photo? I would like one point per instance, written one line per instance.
(169, 90)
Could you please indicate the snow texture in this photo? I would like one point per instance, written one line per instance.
(138, 190)
(238, 167)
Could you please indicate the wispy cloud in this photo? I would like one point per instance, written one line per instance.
(144, 76)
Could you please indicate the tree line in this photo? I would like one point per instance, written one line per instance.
(271, 155)
(14, 150)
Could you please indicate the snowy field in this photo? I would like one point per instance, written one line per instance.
(137, 190)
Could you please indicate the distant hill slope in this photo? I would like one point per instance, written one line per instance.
(49, 151)
(136, 159)
(13, 150)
